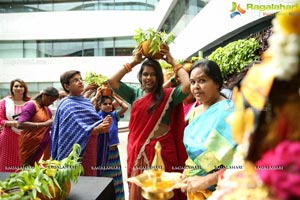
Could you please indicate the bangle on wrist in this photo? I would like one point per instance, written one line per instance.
(127, 67)
(177, 67)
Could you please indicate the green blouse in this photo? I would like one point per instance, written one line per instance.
(130, 94)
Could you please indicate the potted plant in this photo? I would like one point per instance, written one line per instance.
(152, 41)
(95, 80)
(50, 179)
(236, 55)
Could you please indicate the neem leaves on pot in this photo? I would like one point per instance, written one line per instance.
(152, 41)
(47, 179)
(95, 80)
(92, 78)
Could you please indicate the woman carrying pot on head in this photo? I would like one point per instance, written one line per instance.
(156, 115)
(36, 121)
(207, 138)
(10, 108)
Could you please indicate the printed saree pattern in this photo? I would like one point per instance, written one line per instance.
(74, 120)
(208, 140)
(209, 144)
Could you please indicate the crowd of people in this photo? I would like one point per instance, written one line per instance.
(202, 132)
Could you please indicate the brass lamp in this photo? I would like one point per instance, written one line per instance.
(155, 182)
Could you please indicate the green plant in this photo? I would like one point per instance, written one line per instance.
(166, 66)
(94, 78)
(156, 39)
(42, 178)
(233, 57)
(195, 59)
(26, 184)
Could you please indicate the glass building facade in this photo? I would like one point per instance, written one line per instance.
(13, 6)
(121, 46)
(179, 15)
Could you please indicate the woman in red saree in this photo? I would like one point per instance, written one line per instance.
(156, 115)
(36, 121)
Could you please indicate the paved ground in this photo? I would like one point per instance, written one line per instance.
(123, 134)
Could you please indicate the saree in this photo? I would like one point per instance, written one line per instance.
(74, 120)
(209, 143)
(35, 143)
(114, 168)
(142, 126)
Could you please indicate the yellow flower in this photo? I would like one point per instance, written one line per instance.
(241, 119)
(289, 21)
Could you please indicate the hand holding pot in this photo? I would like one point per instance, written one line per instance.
(98, 93)
(138, 56)
(167, 56)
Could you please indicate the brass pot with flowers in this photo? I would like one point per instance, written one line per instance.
(50, 179)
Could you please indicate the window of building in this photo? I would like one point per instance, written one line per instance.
(30, 49)
(183, 12)
(90, 48)
(122, 46)
(13, 6)
(11, 49)
(67, 48)
(44, 49)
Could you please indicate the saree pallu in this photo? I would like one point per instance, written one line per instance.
(141, 143)
(208, 140)
(74, 120)
(35, 143)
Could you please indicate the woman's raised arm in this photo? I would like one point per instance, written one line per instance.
(114, 80)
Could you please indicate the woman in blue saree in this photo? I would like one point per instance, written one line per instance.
(207, 138)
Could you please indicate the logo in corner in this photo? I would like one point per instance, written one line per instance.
(236, 10)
